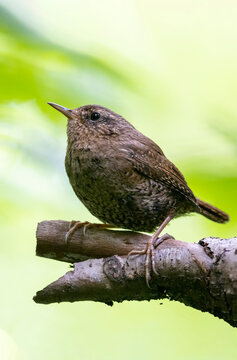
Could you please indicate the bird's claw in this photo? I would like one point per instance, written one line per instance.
(152, 244)
(161, 239)
(75, 225)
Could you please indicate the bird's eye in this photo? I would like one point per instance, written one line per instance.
(95, 116)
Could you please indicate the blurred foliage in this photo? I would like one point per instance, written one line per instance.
(32, 65)
(174, 77)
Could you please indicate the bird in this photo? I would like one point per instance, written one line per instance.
(124, 178)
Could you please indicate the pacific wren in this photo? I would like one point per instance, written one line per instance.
(123, 177)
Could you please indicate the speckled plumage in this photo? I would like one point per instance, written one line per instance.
(123, 177)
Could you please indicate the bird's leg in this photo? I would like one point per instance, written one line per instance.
(75, 225)
(152, 243)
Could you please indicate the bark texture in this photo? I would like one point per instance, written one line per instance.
(202, 275)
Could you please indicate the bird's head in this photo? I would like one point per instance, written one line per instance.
(93, 120)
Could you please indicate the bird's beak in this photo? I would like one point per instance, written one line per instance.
(62, 109)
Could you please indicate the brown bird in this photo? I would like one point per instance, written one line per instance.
(124, 178)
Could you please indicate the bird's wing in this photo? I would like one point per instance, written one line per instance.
(149, 160)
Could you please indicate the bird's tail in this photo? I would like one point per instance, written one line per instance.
(212, 213)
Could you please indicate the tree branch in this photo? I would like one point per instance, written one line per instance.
(202, 275)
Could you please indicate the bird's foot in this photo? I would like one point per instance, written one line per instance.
(75, 225)
(160, 240)
(152, 244)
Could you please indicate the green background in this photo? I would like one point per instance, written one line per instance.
(169, 67)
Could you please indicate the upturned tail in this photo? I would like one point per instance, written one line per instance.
(212, 213)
